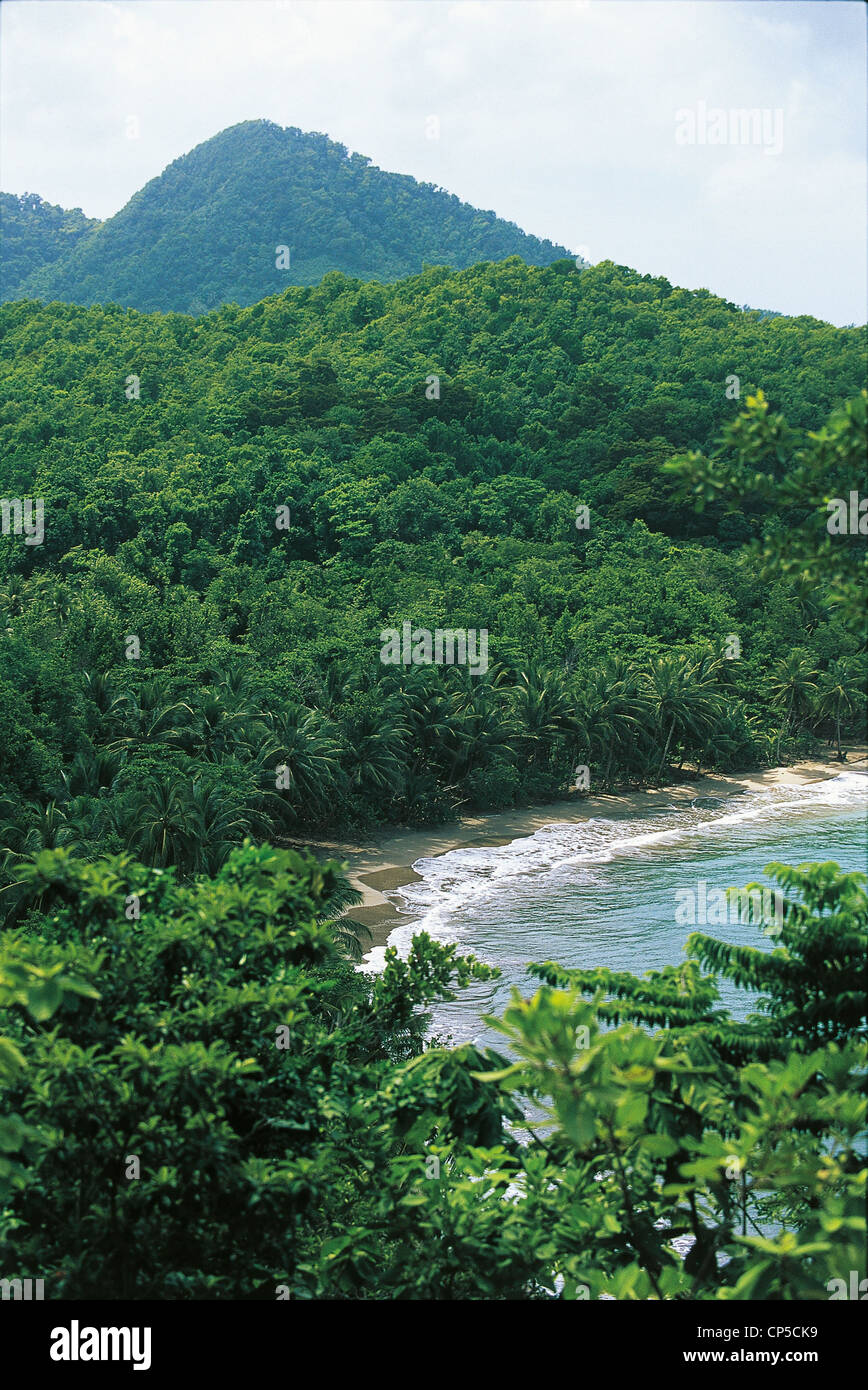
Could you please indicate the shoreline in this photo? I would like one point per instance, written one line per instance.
(383, 862)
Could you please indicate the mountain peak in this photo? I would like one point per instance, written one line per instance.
(258, 207)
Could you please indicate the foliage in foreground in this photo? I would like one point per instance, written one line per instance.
(294, 1136)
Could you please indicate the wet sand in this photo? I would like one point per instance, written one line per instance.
(384, 862)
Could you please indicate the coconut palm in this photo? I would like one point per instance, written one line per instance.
(58, 600)
(733, 741)
(99, 689)
(89, 773)
(220, 822)
(546, 712)
(300, 756)
(217, 726)
(144, 720)
(35, 827)
(423, 801)
(376, 740)
(840, 692)
(349, 935)
(164, 823)
(809, 600)
(682, 694)
(14, 596)
(426, 710)
(482, 721)
(792, 683)
(238, 687)
(615, 715)
(333, 686)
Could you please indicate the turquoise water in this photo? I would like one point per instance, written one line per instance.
(606, 892)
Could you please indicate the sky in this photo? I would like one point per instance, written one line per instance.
(609, 126)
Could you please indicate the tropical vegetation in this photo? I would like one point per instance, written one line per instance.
(237, 505)
(248, 212)
(200, 1098)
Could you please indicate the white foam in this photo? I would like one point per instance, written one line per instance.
(463, 877)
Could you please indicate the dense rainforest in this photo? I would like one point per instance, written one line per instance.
(620, 482)
(200, 1098)
(237, 507)
(259, 207)
(34, 233)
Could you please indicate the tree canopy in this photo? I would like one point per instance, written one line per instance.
(236, 506)
(252, 210)
(199, 1098)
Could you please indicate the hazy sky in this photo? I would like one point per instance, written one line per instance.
(558, 114)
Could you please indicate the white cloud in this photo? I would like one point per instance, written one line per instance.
(557, 114)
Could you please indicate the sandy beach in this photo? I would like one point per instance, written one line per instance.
(384, 862)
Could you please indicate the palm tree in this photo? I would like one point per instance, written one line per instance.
(481, 718)
(712, 675)
(145, 721)
(34, 827)
(164, 822)
(300, 749)
(58, 599)
(423, 800)
(334, 687)
(375, 746)
(733, 740)
(804, 591)
(13, 597)
(217, 727)
(681, 692)
(348, 933)
(840, 692)
(238, 687)
(615, 713)
(89, 773)
(98, 688)
(220, 822)
(425, 709)
(792, 683)
(546, 712)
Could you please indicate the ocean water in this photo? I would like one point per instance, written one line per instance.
(614, 892)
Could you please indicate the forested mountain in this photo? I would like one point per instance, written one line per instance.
(33, 234)
(255, 494)
(207, 525)
(260, 207)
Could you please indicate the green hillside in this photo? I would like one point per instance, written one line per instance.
(210, 229)
(201, 1097)
(34, 234)
(257, 494)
